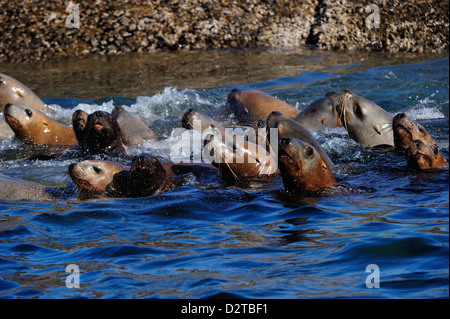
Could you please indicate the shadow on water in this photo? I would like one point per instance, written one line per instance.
(144, 74)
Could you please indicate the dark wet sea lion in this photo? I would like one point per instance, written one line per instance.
(79, 121)
(290, 128)
(320, 114)
(101, 134)
(134, 130)
(238, 159)
(407, 130)
(33, 126)
(93, 176)
(366, 122)
(421, 155)
(14, 92)
(302, 167)
(147, 177)
(250, 106)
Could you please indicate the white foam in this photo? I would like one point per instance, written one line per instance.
(150, 108)
(426, 109)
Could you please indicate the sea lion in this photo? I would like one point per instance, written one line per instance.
(101, 133)
(195, 120)
(290, 128)
(5, 130)
(421, 155)
(302, 167)
(33, 126)
(79, 121)
(320, 114)
(14, 92)
(93, 176)
(146, 177)
(134, 130)
(366, 122)
(17, 189)
(407, 130)
(250, 106)
(238, 159)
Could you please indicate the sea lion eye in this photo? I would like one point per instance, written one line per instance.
(97, 169)
(435, 149)
(28, 112)
(421, 129)
(309, 151)
(358, 111)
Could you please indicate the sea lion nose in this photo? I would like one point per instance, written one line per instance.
(285, 141)
(417, 143)
(186, 120)
(399, 116)
(7, 106)
(261, 124)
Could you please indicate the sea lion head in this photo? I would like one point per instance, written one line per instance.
(302, 167)
(102, 133)
(94, 176)
(421, 155)
(407, 130)
(321, 113)
(79, 121)
(195, 120)
(366, 122)
(148, 175)
(238, 159)
(33, 126)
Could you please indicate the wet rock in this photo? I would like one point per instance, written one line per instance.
(35, 30)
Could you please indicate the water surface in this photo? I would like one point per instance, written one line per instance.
(250, 243)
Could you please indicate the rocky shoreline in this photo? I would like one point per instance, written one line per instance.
(36, 30)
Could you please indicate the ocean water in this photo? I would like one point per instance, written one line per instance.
(240, 242)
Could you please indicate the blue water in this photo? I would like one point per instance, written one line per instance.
(248, 243)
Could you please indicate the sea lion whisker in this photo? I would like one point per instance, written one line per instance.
(234, 174)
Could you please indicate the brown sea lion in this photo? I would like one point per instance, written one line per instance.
(238, 159)
(134, 130)
(421, 155)
(303, 168)
(320, 114)
(101, 133)
(366, 122)
(17, 189)
(33, 126)
(14, 92)
(407, 130)
(93, 176)
(195, 120)
(290, 128)
(250, 106)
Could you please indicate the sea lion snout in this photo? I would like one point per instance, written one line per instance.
(186, 121)
(285, 141)
(398, 117)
